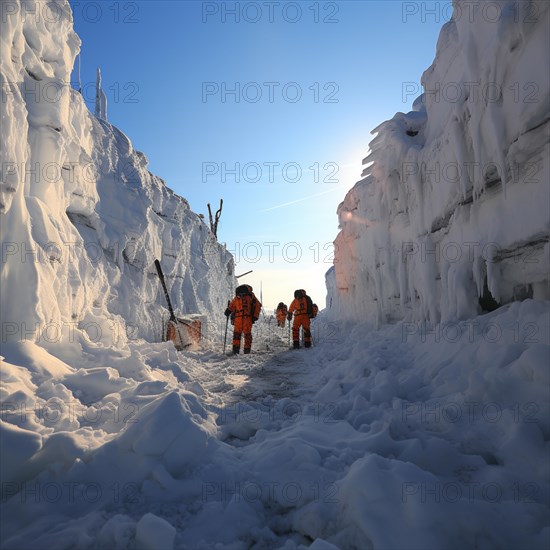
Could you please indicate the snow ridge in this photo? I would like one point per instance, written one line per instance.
(82, 218)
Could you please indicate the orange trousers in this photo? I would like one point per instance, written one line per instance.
(303, 321)
(242, 324)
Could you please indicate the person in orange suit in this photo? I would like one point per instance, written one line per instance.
(281, 314)
(302, 308)
(245, 310)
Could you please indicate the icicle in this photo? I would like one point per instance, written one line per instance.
(100, 98)
(79, 76)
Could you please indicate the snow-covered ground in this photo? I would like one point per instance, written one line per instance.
(371, 439)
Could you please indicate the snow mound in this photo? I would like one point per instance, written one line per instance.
(154, 533)
(23, 444)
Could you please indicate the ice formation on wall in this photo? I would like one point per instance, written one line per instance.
(454, 202)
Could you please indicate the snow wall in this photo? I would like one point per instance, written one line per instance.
(454, 201)
(82, 219)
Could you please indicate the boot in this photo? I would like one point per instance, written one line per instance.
(236, 350)
(246, 350)
(296, 344)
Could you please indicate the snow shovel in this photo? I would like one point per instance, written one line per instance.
(226, 324)
(170, 309)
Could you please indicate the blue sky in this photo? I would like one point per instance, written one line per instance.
(312, 80)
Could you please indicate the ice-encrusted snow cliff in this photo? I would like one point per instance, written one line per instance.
(82, 218)
(454, 202)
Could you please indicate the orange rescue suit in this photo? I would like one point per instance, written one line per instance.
(245, 309)
(301, 319)
(281, 316)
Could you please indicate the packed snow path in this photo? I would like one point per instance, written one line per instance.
(271, 371)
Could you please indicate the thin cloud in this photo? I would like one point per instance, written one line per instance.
(302, 199)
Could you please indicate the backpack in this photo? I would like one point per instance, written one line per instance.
(301, 293)
(255, 307)
(309, 307)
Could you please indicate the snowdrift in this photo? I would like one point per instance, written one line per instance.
(448, 434)
(453, 203)
(82, 219)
